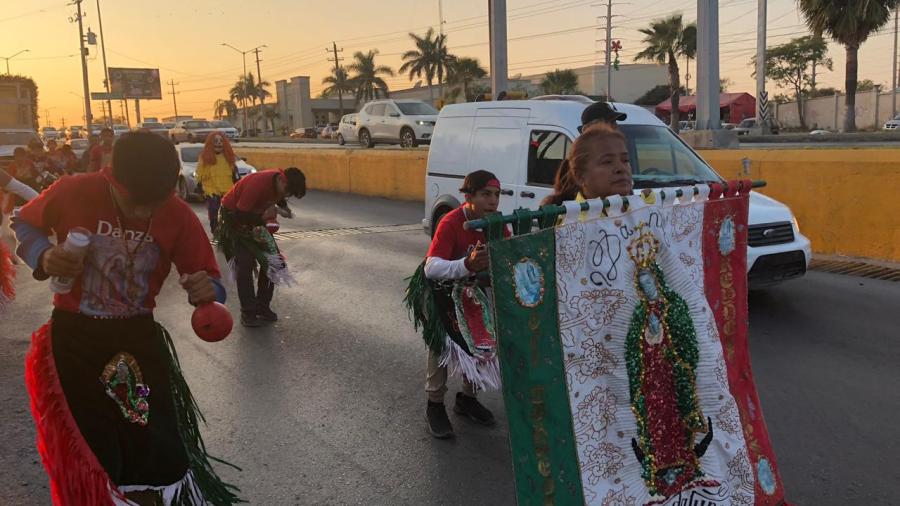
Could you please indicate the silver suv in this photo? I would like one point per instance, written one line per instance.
(404, 122)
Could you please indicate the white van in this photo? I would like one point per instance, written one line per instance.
(523, 143)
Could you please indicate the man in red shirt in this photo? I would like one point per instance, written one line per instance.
(101, 154)
(245, 241)
(106, 441)
(459, 257)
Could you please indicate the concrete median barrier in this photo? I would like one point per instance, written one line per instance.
(844, 199)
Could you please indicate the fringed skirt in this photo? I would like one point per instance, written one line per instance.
(259, 241)
(114, 414)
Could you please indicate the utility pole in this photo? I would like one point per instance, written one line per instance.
(497, 24)
(762, 96)
(47, 121)
(708, 65)
(337, 71)
(123, 104)
(440, 16)
(262, 99)
(894, 72)
(687, 74)
(137, 111)
(88, 117)
(608, 50)
(172, 83)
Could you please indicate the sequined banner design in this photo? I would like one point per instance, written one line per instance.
(623, 351)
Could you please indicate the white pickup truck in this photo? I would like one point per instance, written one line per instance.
(524, 141)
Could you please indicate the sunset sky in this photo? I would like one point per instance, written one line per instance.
(183, 39)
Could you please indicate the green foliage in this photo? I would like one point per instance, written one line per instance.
(368, 81)
(664, 41)
(461, 74)
(790, 65)
(657, 94)
(560, 82)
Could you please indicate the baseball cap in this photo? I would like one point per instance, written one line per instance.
(600, 111)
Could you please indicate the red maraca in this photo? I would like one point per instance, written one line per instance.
(212, 321)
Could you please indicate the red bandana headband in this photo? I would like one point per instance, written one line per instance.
(493, 182)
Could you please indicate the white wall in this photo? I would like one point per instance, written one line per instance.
(821, 112)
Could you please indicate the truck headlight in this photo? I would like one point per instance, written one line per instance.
(796, 224)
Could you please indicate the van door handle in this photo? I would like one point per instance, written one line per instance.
(527, 195)
(506, 192)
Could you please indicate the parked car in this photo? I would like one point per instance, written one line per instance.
(685, 125)
(78, 146)
(154, 127)
(524, 142)
(76, 132)
(329, 132)
(728, 126)
(405, 122)
(304, 133)
(746, 126)
(188, 154)
(12, 138)
(49, 133)
(118, 130)
(225, 127)
(347, 129)
(892, 124)
(191, 130)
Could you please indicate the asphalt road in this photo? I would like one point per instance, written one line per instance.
(327, 406)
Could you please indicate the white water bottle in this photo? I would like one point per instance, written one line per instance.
(77, 241)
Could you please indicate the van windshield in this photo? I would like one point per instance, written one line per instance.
(416, 109)
(660, 158)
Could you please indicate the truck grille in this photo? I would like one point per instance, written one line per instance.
(767, 234)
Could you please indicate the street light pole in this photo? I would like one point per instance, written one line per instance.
(762, 97)
(244, 57)
(7, 58)
(708, 65)
(83, 113)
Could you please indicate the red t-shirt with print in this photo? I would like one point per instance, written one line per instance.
(452, 241)
(108, 287)
(254, 193)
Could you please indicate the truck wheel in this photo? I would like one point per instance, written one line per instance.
(340, 139)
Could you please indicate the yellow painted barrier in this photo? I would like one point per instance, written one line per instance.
(379, 173)
(844, 199)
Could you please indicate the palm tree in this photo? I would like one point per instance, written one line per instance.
(462, 72)
(850, 23)
(560, 82)
(224, 109)
(260, 92)
(421, 60)
(241, 93)
(443, 60)
(339, 82)
(368, 81)
(665, 41)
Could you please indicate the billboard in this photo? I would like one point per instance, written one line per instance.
(135, 83)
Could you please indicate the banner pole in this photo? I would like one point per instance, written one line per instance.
(558, 210)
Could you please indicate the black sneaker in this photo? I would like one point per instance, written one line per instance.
(470, 407)
(251, 320)
(438, 422)
(266, 315)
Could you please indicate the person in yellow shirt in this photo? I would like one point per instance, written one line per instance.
(216, 173)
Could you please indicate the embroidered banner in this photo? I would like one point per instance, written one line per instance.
(623, 350)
